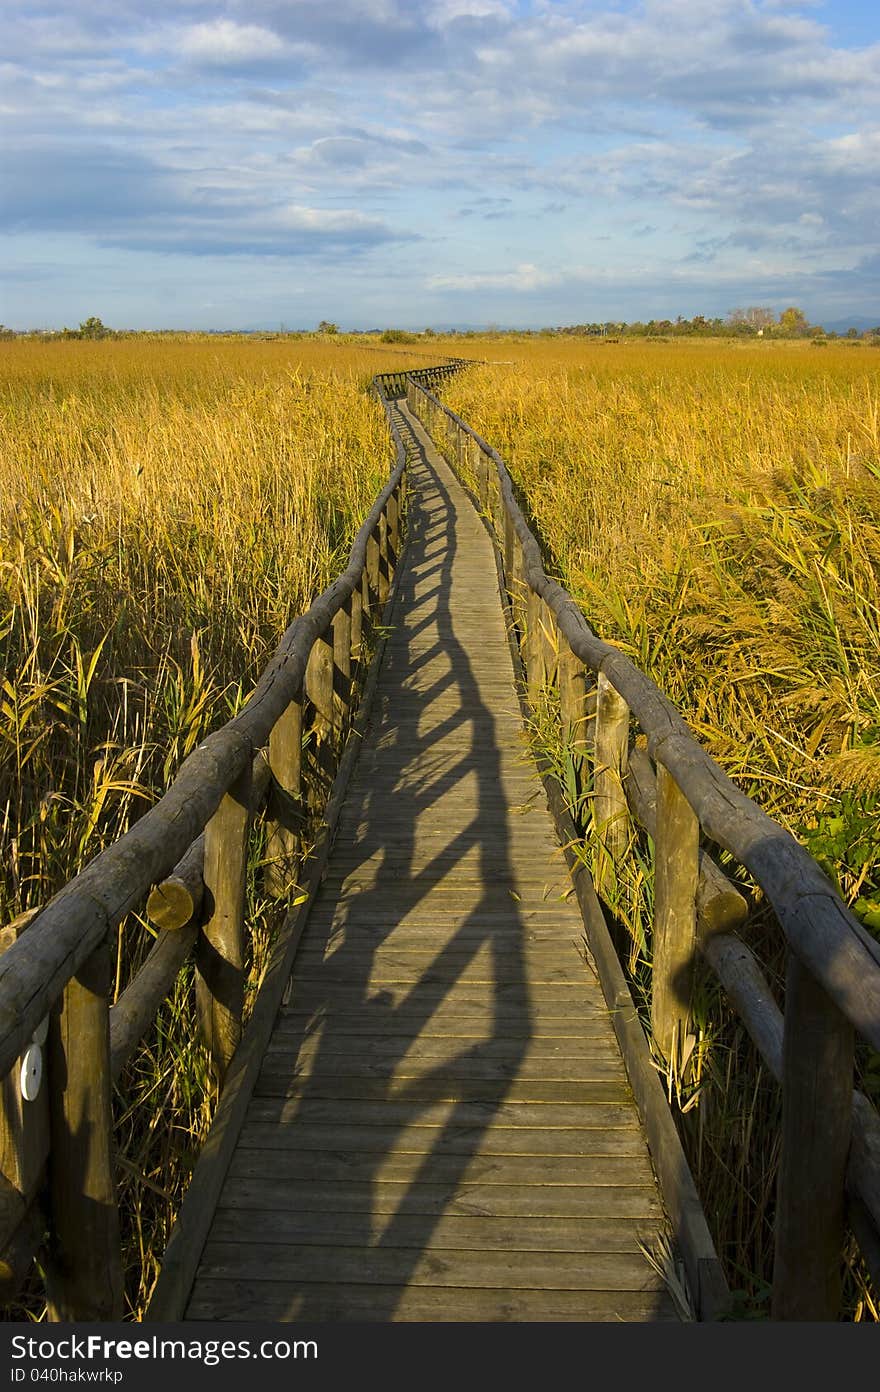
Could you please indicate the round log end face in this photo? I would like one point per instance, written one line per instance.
(171, 904)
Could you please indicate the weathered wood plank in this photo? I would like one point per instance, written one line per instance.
(463, 1199)
(581, 1235)
(503, 1115)
(490, 1270)
(219, 1299)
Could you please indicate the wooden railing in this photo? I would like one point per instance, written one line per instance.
(189, 855)
(829, 1171)
(394, 384)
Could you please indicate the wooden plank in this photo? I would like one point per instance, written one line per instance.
(524, 1171)
(466, 1199)
(502, 1115)
(387, 1265)
(221, 1299)
(521, 1235)
(439, 1088)
(450, 1140)
(548, 1054)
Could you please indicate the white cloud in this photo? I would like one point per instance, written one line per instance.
(223, 41)
(524, 277)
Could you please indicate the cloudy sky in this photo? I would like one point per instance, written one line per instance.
(383, 162)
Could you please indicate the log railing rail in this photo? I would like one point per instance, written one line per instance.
(830, 1136)
(186, 856)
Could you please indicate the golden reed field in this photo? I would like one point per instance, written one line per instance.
(168, 504)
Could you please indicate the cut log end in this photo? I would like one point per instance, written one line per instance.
(172, 904)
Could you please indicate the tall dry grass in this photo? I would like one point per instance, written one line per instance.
(716, 511)
(166, 508)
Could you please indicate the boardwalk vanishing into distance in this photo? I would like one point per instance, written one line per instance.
(442, 1127)
(443, 1104)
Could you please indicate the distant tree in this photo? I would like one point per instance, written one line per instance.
(793, 322)
(325, 327)
(753, 317)
(396, 336)
(93, 328)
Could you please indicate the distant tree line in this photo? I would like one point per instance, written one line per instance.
(749, 322)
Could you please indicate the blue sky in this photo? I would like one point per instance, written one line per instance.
(380, 162)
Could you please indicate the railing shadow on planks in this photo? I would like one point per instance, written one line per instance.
(829, 1172)
(188, 853)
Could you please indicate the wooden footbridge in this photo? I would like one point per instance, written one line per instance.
(443, 1105)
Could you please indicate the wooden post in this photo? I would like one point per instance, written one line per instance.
(508, 548)
(392, 508)
(319, 682)
(341, 667)
(24, 1147)
(533, 647)
(372, 570)
(573, 699)
(610, 812)
(499, 511)
(366, 598)
(284, 817)
(357, 630)
(549, 643)
(817, 1082)
(220, 946)
(84, 1270)
(676, 873)
(384, 560)
(518, 592)
(481, 470)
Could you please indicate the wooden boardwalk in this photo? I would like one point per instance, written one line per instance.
(442, 1127)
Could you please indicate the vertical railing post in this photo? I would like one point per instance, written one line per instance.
(534, 648)
(284, 817)
(371, 573)
(220, 946)
(549, 644)
(573, 699)
(357, 626)
(393, 511)
(509, 541)
(481, 471)
(84, 1269)
(817, 1084)
(319, 684)
(384, 560)
(610, 811)
(518, 588)
(676, 873)
(341, 666)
